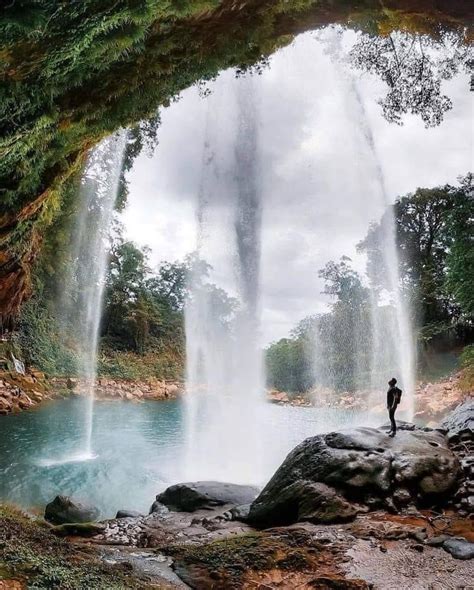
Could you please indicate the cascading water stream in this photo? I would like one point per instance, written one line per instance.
(81, 304)
(401, 330)
(224, 363)
(392, 346)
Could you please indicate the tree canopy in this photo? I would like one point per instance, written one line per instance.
(434, 234)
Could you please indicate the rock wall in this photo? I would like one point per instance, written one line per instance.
(22, 392)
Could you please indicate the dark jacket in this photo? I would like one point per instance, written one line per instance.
(394, 395)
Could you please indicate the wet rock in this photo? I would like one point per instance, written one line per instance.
(192, 496)
(85, 529)
(402, 496)
(437, 541)
(308, 501)
(158, 508)
(127, 514)
(460, 422)
(240, 512)
(459, 548)
(64, 510)
(420, 536)
(351, 465)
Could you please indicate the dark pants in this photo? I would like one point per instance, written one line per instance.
(391, 415)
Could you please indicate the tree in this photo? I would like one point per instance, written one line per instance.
(459, 280)
(343, 334)
(330, 349)
(287, 365)
(344, 283)
(170, 283)
(434, 240)
(413, 67)
(124, 285)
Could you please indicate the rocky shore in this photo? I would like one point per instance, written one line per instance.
(21, 392)
(122, 389)
(346, 510)
(433, 400)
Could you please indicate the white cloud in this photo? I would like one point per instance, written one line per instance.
(320, 190)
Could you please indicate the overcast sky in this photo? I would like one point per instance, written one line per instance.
(319, 187)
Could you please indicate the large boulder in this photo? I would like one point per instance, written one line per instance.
(191, 496)
(64, 510)
(331, 477)
(459, 424)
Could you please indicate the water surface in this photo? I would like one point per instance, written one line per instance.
(138, 450)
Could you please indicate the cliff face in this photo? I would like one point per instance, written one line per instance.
(74, 74)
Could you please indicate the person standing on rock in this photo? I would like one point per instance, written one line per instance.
(394, 395)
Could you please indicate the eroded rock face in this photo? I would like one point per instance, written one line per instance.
(331, 477)
(64, 510)
(192, 496)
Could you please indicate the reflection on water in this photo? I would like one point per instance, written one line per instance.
(137, 450)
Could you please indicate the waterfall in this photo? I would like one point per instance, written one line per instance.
(224, 362)
(81, 301)
(395, 332)
(388, 331)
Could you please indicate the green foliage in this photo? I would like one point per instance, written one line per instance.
(467, 366)
(142, 310)
(413, 67)
(288, 365)
(467, 356)
(143, 136)
(459, 281)
(434, 234)
(162, 363)
(230, 559)
(331, 349)
(28, 550)
(41, 341)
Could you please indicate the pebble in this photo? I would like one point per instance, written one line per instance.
(418, 548)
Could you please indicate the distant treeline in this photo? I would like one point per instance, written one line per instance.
(434, 237)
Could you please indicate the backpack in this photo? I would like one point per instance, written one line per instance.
(397, 395)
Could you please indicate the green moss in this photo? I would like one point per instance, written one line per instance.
(255, 551)
(467, 369)
(160, 364)
(29, 552)
(73, 73)
(76, 72)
